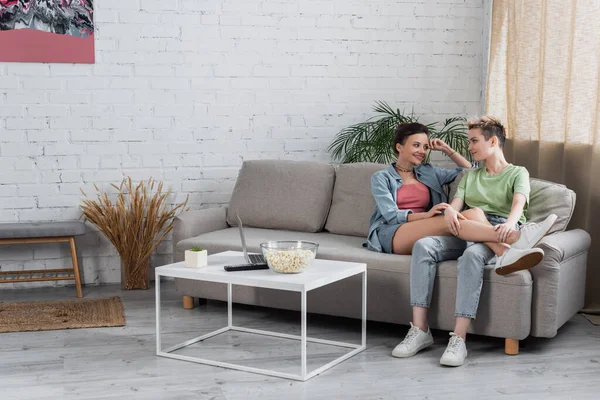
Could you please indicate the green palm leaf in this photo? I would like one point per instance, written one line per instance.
(372, 140)
(454, 133)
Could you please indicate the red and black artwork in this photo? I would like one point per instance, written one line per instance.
(59, 31)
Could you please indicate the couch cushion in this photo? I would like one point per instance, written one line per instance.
(352, 203)
(331, 247)
(549, 197)
(281, 194)
(545, 198)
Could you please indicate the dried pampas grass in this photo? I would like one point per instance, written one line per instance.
(136, 223)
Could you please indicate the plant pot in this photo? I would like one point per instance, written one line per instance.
(196, 259)
(135, 276)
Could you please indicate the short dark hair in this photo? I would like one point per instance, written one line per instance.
(490, 126)
(405, 129)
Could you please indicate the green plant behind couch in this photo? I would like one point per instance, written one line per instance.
(372, 140)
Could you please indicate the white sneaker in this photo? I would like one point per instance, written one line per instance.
(516, 260)
(415, 341)
(531, 234)
(455, 353)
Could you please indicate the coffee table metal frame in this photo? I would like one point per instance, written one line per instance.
(338, 270)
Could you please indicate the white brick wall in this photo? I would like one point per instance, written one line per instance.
(185, 90)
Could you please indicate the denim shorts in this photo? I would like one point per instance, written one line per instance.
(497, 220)
(385, 233)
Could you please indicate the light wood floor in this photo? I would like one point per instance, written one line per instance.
(120, 363)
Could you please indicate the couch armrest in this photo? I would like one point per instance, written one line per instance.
(194, 223)
(559, 281)
(561, 246)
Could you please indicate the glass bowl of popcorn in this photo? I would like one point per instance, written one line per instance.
(289, 256)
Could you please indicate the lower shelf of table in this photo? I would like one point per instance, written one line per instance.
(168, 352)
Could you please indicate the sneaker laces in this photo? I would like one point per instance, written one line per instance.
(413, 332)
(454, 344)
(528, 227)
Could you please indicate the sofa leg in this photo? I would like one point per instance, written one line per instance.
(511, 347)
(188, 302)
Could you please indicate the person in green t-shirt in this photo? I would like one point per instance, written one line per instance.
(495, 193)
(496, 198)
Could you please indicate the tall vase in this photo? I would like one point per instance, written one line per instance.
(135, 275)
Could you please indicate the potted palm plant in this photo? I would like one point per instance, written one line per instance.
(372, 140)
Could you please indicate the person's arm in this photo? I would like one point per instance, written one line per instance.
(457, 204)
(452, 214)
(385, 202)
(516, 209)
(520, 200)
(458, 158)
(440, 145)
(434, 211)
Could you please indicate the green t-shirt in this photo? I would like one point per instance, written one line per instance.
(494, 193)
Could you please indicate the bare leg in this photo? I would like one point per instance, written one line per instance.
(407, 234)
(420, 318)
(476, 214)
(461, 326)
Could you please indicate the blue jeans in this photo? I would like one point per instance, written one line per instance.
(472, 258)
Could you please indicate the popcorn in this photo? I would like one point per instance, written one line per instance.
(288, 261)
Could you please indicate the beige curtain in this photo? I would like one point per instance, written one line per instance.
(544, 82)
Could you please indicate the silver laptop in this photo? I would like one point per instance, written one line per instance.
(250, 258)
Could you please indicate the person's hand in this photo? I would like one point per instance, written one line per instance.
(503, 231)
(438, 145)
(437, 209)
(452, 217)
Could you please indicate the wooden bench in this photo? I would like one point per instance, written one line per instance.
(43, 232)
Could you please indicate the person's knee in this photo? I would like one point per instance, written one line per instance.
(475, 213)
(426, 246)
(475, 256)
(478, 210)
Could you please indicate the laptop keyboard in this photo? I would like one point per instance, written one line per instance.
(256, 258)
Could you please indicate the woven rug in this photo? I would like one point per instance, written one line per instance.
(63, 314)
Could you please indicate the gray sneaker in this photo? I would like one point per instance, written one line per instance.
(415, 341)
(455, 353)
(531, 234)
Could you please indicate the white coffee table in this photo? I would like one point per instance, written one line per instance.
(321, 273)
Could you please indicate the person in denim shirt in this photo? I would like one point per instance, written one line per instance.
(420, 186)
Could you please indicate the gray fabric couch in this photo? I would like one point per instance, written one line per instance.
(331, 205)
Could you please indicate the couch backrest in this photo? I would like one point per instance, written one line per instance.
(545, 198)
(279, 194)
(352, 203)
(307, 196)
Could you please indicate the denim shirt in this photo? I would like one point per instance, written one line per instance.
(385, 185)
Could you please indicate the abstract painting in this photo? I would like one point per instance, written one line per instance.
(60, 31)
